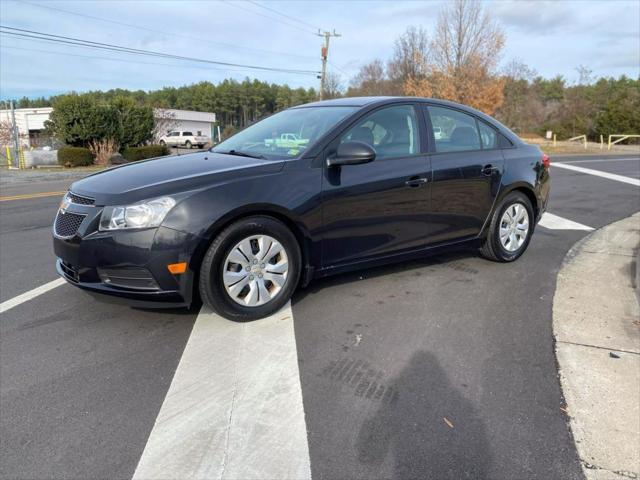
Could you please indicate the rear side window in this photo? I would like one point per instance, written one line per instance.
(488, 136)
(391, 131)
(453, 131)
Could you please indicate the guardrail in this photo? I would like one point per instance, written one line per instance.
(579, 137)
(620, 138)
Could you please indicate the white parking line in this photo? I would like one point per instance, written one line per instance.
(25, 297)
(234, 408)
(599, 173)
(554, 222)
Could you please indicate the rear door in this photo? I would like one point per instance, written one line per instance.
(381, 207)
(467, 168)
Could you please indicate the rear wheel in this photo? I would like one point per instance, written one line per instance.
(188, 145)
(510, 229)
(162, 142)
(251, 269)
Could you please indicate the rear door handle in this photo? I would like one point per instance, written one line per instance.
(416, 181)
(489, 169)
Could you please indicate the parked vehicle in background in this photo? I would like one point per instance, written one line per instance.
(246, 222)
(286, 140)
(184, 139)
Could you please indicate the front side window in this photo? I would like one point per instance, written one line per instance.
(453, 131)
(391, 131)
(187, 134)
(286, 134)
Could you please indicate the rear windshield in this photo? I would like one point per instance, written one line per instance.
(286, 134)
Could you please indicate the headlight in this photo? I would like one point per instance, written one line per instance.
(140, 215)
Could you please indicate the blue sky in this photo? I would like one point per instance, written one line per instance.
(551, 37)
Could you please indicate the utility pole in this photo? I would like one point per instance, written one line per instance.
(16, 138)
(325, 55)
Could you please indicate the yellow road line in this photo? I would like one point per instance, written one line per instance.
(27, 196)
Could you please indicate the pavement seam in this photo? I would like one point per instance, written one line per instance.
(621, 473)
(597, 346)
(225, 456)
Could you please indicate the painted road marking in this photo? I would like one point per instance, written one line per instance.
(603, 160)
(234, 408)
(27, 196)
(554, 222)
(599, 173)
(25, 297)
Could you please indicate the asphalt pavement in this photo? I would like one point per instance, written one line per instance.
(439, 368)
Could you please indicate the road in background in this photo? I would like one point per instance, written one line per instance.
(442, 367)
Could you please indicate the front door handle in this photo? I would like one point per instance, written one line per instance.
(488, 170)
(416, 181)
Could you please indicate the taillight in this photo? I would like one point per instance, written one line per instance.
(546, 161)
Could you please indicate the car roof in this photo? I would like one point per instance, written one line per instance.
(347, 102)
(366, 101)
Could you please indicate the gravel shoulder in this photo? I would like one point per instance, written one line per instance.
(597, 330)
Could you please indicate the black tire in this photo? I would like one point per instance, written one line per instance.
(188, 144)
(491, 247)
(211, 287)
(162, 142)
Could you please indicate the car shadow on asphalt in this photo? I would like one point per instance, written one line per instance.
(443, 258)
(429, 428)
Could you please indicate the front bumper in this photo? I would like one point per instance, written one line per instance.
(98, 261)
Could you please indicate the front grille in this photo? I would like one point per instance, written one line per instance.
(67, 224)
(80, 200)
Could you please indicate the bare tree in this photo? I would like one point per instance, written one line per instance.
(6, 132)
(410, 56)
(370, 80)
(332, 86)
(465, 52)
(164, 121)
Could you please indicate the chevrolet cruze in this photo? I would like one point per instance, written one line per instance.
(308, 192)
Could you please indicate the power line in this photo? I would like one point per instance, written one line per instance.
(275, 19)
(282, 14)
(162, 32)
(122, 60)
(123, 49)
(337, 67)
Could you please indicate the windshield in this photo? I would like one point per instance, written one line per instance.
(286, 134)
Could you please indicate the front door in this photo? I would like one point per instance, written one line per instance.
(381, 207)
(467, 168)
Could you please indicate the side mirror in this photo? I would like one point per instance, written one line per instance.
(352, 153)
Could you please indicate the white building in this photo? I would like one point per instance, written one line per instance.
(30, 122)
(200, 123)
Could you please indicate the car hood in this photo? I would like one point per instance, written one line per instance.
(169, 175)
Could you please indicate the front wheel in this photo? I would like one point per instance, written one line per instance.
(510, 229)
(251, 269)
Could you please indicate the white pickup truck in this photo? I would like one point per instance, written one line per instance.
(184, 139)
(286, 140)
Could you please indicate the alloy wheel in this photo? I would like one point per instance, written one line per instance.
(514, 227)
(255, 270)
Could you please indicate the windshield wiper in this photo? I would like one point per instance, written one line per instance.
(240, 153)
